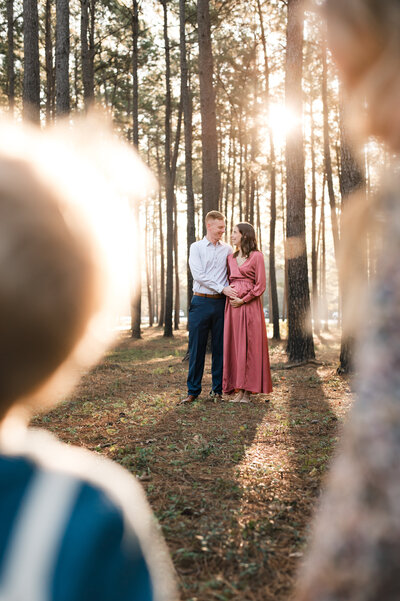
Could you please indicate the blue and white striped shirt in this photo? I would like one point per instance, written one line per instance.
(105, 547)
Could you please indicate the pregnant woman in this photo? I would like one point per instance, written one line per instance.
(246, 360)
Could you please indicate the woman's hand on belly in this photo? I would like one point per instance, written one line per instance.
(236, 302)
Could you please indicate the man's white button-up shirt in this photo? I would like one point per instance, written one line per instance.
(207, 263)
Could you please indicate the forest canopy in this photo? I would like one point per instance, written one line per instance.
(234, 105)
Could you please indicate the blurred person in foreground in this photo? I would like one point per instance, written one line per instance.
(73, 526)
(355, 547)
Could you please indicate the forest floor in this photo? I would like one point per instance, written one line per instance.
(233, 486)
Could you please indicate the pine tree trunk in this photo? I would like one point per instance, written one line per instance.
(31, 87)
(272, 272)
(92, 13)
(324, 298)
(187, 119)
(240, 173)
(147, 261)
(136, 300)
(274, 305)
(247, 182)
(10, 57)
(351, 179)
(173, 177)
(135, 73)
(162, 266)
(300, 345)
(228, 176)
(154, 266)
(50, 84)
(169, 186)
(314, 255)
(87, 59)
(233, 182)
(211, 176)
(258, 226)
(161, 234)
(253, 145)
(285, 284)
(62, 57)
(346, 365)
(327, 155)
(176, 268)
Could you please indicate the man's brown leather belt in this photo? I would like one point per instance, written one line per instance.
(208, 295)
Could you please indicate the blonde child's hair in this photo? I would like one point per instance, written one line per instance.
(56, 275)
(49, 282)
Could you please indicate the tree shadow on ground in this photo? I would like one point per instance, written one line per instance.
(190, 465)
(229, 483)
(313, 414)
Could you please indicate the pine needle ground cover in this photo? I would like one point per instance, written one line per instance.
(233, 486)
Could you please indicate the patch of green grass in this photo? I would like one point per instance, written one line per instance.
(143, 458)
(141, 353)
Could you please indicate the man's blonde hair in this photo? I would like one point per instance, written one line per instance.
(214, 215)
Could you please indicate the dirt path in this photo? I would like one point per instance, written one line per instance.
(232, 485)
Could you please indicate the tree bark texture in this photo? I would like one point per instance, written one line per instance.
(136, 301)
(50, 80)
(162, 263)
(176, 269)
(154, 266)
(300, 346)
(173, 177)
(211, 175)
(169, 186)
(324, 299)
(31, 86)
(87, 54)
(10, 57)
(148, 267)
(274, 305)
(62, 57)
(351, 179)
(327, 154)
(135, 74)
(314, 254)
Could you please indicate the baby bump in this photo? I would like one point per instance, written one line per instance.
(242, 286)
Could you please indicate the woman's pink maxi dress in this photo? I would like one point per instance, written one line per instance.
(246, 360)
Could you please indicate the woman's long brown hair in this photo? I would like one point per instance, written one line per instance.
(248, 243)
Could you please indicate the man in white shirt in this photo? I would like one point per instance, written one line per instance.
(207, 261)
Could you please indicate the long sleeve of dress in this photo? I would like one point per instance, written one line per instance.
(260, 279)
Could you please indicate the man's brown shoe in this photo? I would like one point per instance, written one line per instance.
(189, 399)
(215, 396)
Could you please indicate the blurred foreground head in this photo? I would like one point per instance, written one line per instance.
(354, 554)
(364, 39)
(65, 227)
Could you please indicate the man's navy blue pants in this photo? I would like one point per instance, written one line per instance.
(205, 314)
